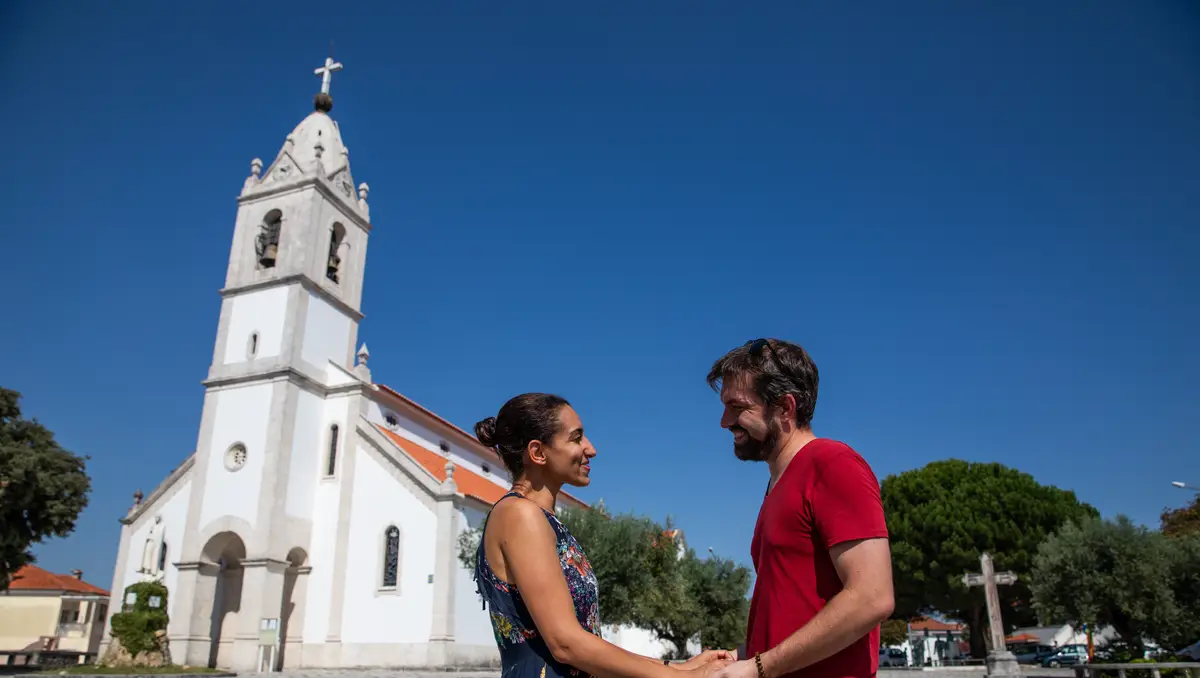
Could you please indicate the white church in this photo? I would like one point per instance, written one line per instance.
(318, 504)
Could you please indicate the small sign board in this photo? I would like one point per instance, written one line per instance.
(155, 602)
(268, 632)
(130, 598)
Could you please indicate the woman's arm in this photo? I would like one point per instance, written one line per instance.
(531, 560)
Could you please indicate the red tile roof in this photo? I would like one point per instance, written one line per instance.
(480, 447)
(469, 483)
(922, 624)
(34, 578)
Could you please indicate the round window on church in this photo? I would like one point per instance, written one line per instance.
(235, 458)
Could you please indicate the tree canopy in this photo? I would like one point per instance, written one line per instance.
(1182, 521)
(43, 487)
(1143, 584)
(645, 581)
(893, 632)
(942, 516)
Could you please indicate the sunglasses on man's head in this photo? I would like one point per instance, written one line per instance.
(756, 347)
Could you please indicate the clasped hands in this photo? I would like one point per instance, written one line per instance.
(719, 664)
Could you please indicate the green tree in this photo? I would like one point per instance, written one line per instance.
(665, 604)
(43, 487)
(893, 632)
(720, 587)
(943, 516)
(1184, 577)
(645, 582)
(634, 568)
(1117, 573)
(1182, 521)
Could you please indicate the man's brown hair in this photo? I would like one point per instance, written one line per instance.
(773, 368)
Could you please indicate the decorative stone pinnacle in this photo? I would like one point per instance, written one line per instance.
(256, 167)
(137, 497)
(319, 148)
(449, 471)
(363, 190)
(363, 354)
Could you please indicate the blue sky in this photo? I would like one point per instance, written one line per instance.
(981, 219)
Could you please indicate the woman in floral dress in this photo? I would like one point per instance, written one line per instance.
(534, 578)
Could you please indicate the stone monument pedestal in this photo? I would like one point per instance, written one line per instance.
(1003, 664)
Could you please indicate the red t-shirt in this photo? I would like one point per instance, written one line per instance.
(826, 495)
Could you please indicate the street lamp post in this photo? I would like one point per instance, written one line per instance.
(1184, 486)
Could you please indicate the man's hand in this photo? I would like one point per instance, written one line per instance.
(706, 657)
(742, 669)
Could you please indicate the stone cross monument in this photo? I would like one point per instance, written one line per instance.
(1000, 662)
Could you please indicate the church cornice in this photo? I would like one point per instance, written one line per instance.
(306, 282)
(163, 487)
(285, 372)
(321, 184)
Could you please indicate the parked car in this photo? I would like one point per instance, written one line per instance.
(1068, 655)
(892, 656)
(1030, 653)
(1191, 651)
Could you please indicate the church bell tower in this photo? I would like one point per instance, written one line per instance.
(279, 401)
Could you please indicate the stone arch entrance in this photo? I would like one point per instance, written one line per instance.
(226, 551)
(291, 616)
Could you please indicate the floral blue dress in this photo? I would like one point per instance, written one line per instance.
(523, 652)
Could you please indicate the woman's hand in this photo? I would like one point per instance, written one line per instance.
(720, 657)
(711, 667)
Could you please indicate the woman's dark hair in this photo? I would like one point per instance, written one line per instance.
(524, 418)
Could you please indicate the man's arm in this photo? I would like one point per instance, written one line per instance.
(866, 599)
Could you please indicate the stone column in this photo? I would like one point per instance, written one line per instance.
(189, 631)
(441, 636)
(262, 598)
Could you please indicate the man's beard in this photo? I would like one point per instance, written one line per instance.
(758, 450)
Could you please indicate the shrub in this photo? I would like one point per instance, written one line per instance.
(138, 624)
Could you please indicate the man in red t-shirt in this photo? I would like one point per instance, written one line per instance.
(820, 547)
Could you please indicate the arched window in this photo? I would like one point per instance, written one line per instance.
(266, 245)
(162, 558)
(333, 267)
(331, 462)
(391, 556)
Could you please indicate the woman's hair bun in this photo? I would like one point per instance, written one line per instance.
(485, 430)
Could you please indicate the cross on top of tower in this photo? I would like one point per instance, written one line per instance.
(326, 73)
(323, 101)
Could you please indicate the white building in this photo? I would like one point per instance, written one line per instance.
(315, 497)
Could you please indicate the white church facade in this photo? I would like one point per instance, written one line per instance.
(316, 500)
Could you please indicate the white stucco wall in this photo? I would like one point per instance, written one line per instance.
(326, 333)
(310, 438)
(321, 556)
(371, 615)
(640, 641)
(174, 519)
(472, 624)
(240, 415)
(263, 312)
